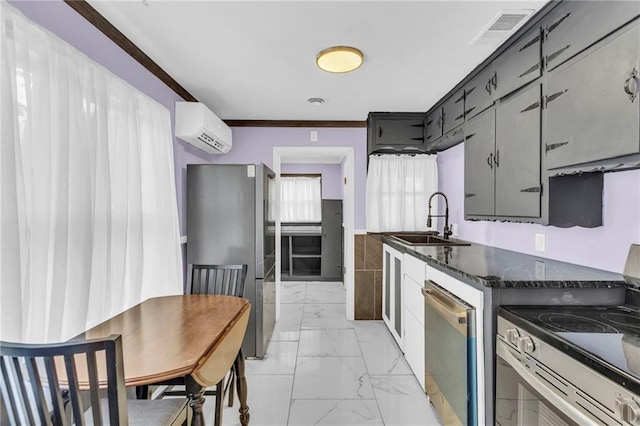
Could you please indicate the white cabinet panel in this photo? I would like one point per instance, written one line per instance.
(413, 298)
(414, 345)
(392, 309)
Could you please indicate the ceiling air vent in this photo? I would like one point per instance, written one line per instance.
(501, 26)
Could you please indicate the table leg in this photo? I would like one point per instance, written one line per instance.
(195, 393)
(241, 383)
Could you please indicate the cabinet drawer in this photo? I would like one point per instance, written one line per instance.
(589, 115)
(413, 298)
(575, 25)
(414, 268)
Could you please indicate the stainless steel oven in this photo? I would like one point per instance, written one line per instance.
(549, 374)
(450, 355)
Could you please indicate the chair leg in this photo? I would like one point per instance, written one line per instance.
(219, 403)
(142, 392)
(230, 385)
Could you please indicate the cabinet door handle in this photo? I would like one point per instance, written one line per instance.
(488, 87)
(496, 159)
(490, 160)
(631, 85)
(379, 131)
(494, 80)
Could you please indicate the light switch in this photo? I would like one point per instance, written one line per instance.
(314, 136)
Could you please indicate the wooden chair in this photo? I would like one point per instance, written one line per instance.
(32, 392)
(211, 279)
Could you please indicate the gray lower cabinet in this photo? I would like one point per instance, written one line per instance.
(332, 252)
(502, 159)
(593, 106)
(575, 25)
(519, 65)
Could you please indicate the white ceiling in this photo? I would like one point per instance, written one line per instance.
(256, 60)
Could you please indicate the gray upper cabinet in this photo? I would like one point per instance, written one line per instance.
(453, 112)
(517, 156)
(395, 129)
(520, 64)
(502, 158)
(593, 106)
(479, 177)
(575, 25)
(478, 93)
(434, 126)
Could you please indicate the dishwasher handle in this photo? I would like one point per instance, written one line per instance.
(447, 307)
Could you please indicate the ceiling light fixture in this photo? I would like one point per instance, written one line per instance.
(339, 59)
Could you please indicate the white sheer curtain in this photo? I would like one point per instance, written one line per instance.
(300, 199)
(89, 223)
(398, 189)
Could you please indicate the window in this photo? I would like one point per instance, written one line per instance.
(398, 188)
(301, 198)
(89, 217)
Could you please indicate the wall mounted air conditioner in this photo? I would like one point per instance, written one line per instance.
(199, 126)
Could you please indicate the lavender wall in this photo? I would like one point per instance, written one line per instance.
(604, 247)
(255, 145)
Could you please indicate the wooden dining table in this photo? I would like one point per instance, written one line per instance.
(198, 337)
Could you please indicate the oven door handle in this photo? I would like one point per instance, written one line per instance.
(505, 352)
(456, 318)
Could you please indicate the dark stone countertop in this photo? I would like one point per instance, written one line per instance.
(499, 268)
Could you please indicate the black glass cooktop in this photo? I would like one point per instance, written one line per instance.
(611, 333)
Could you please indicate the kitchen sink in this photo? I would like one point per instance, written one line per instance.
(427, 240)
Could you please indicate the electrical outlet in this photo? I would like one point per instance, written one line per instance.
(540, 270)
(314, 136)
(454, 229)
(540, 243)
(183, 239)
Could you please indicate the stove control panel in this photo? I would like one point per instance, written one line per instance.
(580, 392)
(526, 345)
(629, 410)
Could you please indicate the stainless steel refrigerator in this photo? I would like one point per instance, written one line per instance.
(228, 209)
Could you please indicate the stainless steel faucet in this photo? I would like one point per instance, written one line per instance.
(447, 230)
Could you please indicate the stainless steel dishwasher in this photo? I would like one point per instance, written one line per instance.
(450, 355)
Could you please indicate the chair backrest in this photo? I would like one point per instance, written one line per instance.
(217, 279)
(31, 390)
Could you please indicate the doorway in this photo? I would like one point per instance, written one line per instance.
(322, 155)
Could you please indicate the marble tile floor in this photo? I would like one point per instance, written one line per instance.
(321, 369)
